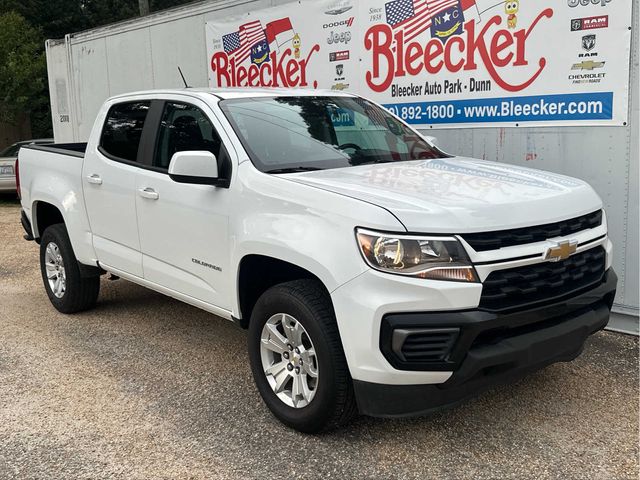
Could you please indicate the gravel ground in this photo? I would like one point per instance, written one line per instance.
(147, 387)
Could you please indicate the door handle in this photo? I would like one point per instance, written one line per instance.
(149, 193)
(94, 178)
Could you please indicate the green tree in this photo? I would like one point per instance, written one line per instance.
(25, 25)
(103, 12)
(163, 4)
(54, 18)
(22, 67)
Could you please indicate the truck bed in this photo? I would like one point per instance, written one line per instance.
(71, 149)
(52, 174)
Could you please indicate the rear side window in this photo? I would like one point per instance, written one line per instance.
(122, 130)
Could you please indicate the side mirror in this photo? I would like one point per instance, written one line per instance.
(197, 167)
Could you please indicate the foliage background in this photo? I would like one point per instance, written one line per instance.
(24, 27)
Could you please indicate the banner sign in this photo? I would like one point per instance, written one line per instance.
(440, 63)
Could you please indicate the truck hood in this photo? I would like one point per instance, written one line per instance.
(458, 194)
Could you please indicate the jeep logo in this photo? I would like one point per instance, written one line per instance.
(334, 37)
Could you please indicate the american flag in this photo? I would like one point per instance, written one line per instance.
(238, 44)
(414, 16)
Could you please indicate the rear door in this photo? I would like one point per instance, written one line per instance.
(184, 228)
(109, 181)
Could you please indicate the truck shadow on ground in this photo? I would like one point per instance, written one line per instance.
(9, 199)
(192, 370)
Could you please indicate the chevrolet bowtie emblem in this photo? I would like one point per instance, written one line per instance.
(561, 251)
(587, 65)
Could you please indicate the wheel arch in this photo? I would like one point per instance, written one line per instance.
(257, 273)
(44, 214)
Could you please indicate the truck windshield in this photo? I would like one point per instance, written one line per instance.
(290, 134)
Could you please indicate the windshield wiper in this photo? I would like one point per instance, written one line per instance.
(293, 169)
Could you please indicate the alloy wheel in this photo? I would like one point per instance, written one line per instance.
(54, 266)
(289, 360)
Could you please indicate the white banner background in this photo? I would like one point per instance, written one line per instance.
(441, 63)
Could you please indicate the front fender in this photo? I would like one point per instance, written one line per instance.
(309, 227)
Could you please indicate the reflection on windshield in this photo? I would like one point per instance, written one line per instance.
(289, 134)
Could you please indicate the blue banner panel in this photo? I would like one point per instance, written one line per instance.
(535, 108)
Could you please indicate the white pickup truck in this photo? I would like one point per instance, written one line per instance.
(374, 272)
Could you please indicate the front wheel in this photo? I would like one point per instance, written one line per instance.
(68, 291)
(297, 359)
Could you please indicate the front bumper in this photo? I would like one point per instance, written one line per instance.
(519, 343)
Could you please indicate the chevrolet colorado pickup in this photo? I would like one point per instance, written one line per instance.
(374, 272)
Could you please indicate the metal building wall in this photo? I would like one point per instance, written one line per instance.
(144, 53)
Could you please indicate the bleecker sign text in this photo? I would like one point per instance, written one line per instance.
(393, 58)
(283, 70)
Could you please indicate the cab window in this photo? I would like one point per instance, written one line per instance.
(123, 129)
(186, 128)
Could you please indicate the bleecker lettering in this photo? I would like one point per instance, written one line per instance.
(281, 71)
(501, 41)
(392, 57)
(448, 55)
(378, 39)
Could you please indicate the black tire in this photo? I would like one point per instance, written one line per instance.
(81, 293)
(308, 302)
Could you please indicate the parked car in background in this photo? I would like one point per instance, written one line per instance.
(8, 158)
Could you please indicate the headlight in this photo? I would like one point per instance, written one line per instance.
(436, 258)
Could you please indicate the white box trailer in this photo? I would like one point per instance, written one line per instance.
(144, 53)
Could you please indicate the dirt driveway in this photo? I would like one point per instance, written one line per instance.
(146, 387)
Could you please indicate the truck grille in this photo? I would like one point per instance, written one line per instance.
(523, 286)
(519, 236)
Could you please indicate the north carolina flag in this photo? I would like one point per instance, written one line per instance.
(414, 16)
(238, 44)
(471, 10)
(279, 31)
(447, 21)
(480, 7)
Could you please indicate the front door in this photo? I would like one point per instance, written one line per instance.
(184, 228)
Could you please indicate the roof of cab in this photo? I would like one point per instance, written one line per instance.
(228, 93)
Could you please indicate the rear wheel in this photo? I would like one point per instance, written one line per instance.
(297, 359)
(68, 291)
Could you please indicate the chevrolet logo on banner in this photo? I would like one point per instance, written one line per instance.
(561, 251)
(587, 65)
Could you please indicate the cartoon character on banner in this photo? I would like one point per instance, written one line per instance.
(296, 46)
(511, 7)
